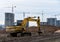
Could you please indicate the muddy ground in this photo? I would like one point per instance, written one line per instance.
(34, 38)
(42, 38)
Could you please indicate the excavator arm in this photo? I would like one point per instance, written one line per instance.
(31, 19)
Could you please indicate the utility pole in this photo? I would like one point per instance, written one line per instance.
(55, 16)
(42, 22)
(13, 8)
(23, 14)
(42, 17)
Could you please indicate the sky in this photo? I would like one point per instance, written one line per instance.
(50, 8)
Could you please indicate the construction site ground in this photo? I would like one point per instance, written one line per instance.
(49, 35)
(42, 38)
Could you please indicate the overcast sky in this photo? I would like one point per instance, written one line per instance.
(35, 7)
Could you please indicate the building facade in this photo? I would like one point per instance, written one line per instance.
(58, 23)
(20, 21)
(51, 21)
(9, 19)
(43, 23)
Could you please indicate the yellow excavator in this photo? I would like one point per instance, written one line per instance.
(14, 30)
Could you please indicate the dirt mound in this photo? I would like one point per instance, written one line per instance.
(44, 28)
